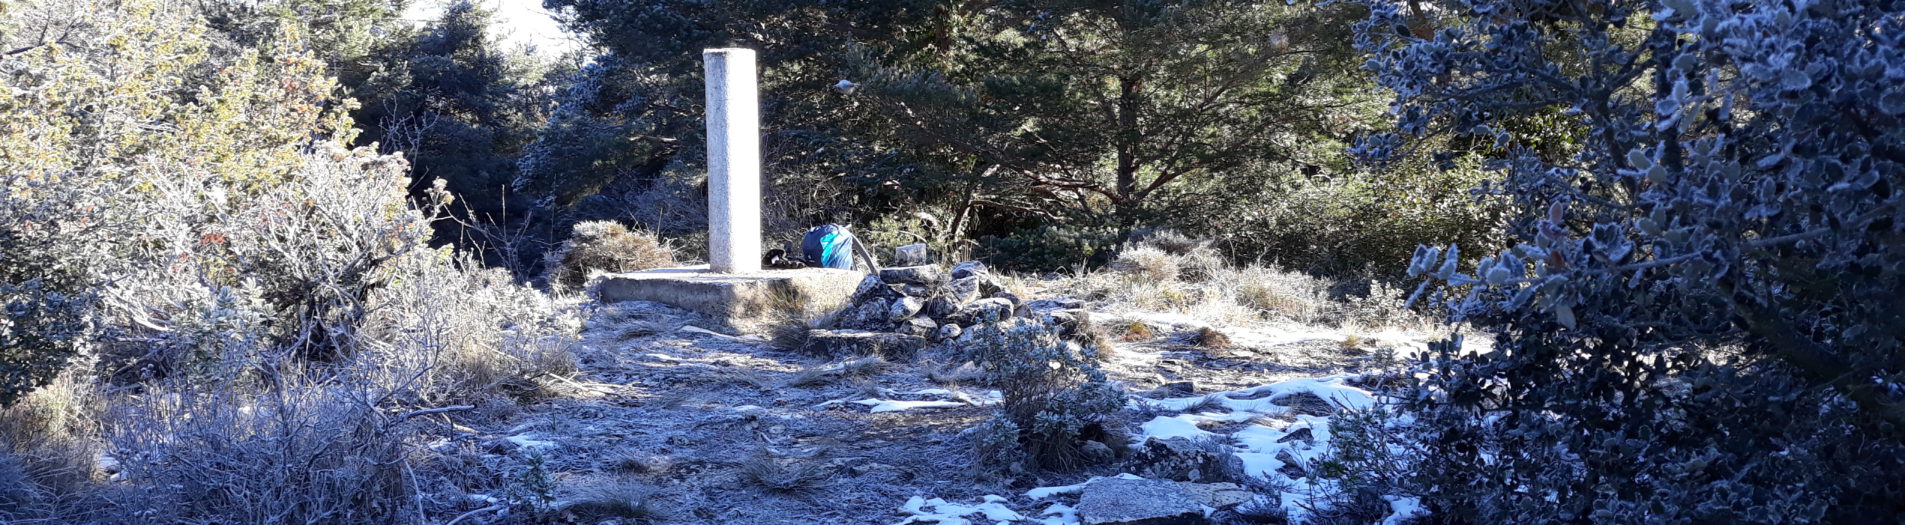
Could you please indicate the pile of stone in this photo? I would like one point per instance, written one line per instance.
(905, 308)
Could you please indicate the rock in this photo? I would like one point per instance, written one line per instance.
(1009, 297)
(1119, 501)
(842, 344)
(872, 289)
(923, 275)
(912, 255)
(940, 308)
(947, 332)
(1178, 389)
(904, 308)
(874, 314)
(1096, 452)
(1218, 495)
(1301, 434)
(969, 268)
(1182, 459)
(916, 290)
(1305, 403)
(919, 326)
(1292, 467)
(964, 289)
(870, 286)
(1051, 306)
(984, 311)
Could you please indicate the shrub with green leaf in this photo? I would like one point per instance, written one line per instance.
(1055, 398)
(1700, 321)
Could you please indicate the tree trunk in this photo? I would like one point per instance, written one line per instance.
(1130, 102)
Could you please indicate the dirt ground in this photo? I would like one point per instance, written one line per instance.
(722, 429)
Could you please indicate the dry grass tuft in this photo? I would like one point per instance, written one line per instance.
(775, 475)
(792, 320)
(605, 246)
(1210, 338)
(950, 373)
(1137, 331)
(639, 463)
(628, 501)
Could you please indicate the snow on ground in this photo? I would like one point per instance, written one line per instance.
(1275, 439)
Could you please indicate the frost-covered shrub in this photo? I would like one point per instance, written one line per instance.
(1700, 323)
(262, 298)
(304, 452)
(1147, 263)
(1055, 398)
(605, 246)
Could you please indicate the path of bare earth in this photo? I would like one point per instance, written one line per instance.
(663, 404)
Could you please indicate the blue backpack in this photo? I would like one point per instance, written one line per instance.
(829, 246)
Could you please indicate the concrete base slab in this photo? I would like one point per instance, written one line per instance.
(750, 302)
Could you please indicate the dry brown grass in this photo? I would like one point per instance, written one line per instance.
(776, 475)
(605, 246)
(619, 500)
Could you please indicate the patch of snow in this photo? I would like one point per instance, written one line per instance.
(1166, 427)
(529, 442)
(1403, 508)
(940, 511)
(896, 405)
(1059, 514)
(1262, 337)
(957, 399)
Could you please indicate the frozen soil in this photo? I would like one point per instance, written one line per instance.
(722, 429)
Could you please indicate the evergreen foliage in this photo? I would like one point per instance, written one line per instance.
(1701, 320)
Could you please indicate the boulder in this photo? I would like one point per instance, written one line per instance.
(1119, 501)
(1051, 306)
(912, 255)
(925, 274)
(920, 326)
(940, 308)
(904, 308)
(916, 290)
(846, 344)
(947, 332)
(984, 311)
(1218, 495)
(1182, 459)
(964, 289)
(873, 314)
(1009, 297)
(968, 269)
(871, 289)
(1178, 389)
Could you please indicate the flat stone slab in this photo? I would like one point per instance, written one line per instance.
(1115, 501)
(750, 302)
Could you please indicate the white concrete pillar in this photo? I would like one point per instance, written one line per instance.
(734, 161)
